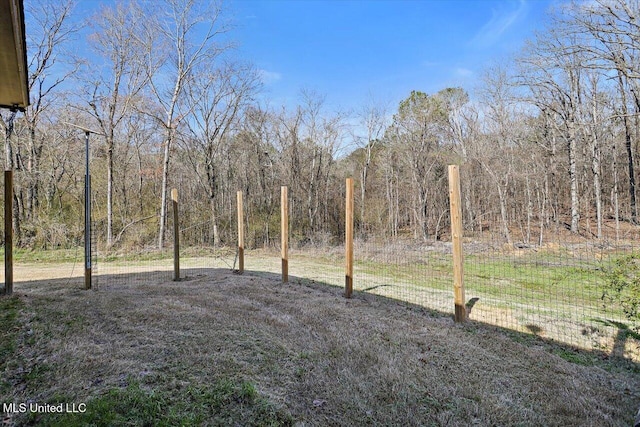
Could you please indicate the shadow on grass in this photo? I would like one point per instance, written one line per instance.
(571, 353)
(623, 334)
(111, 282)
(375, 287)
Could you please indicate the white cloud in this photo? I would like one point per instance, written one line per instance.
(269, 77)
(500, 22)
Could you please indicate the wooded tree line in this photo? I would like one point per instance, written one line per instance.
(546, 141)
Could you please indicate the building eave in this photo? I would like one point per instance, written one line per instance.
(14, 71)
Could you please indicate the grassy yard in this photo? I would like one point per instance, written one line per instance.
(553, 294)
(223, 349)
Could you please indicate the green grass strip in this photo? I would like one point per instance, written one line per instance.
(220, 404)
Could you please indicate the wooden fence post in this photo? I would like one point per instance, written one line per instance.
(284, 232)
(240, 234)
(176, 236)
(8, 232)
(348, 286)
(456, 240)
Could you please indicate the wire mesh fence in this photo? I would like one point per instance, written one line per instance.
(528, 269)
(198, 249)
(532, 277)
(556, 290)
(553, 288)
(407, 271)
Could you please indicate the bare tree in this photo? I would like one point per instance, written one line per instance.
(500, 148)
(614, 45)
(219, 98)
(50, 28)
(594, 116)
(418, 128)
(553, 72)
(186, 34)
(372, 122)
(117, 80)
(307, 142)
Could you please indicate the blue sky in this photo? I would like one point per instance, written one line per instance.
(353, 51)
(348, 50)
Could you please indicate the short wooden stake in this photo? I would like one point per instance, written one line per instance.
(348, 286)
(284, 233)
(176, 236)
(240, 234)
(8, 232)
(456, 240)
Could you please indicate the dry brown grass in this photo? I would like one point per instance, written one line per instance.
(321, 358)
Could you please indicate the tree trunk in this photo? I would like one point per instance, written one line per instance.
(389, 192)
(542, 201)
(109, 193)
(597, 189)
(363, 186)
(595, 168)
(214, 221)
(529, 210)
(163, 191)
(629, 149)
(32, 185)
(17, 230)
(503, 213)
(614, 191)
(140, 177)
(573, 178)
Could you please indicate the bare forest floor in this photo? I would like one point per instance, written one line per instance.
(223, 349)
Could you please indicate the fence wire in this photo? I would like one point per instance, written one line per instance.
(528, 276)
(405, 270)
(146, 262)
(319, 257)
(555, 290)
